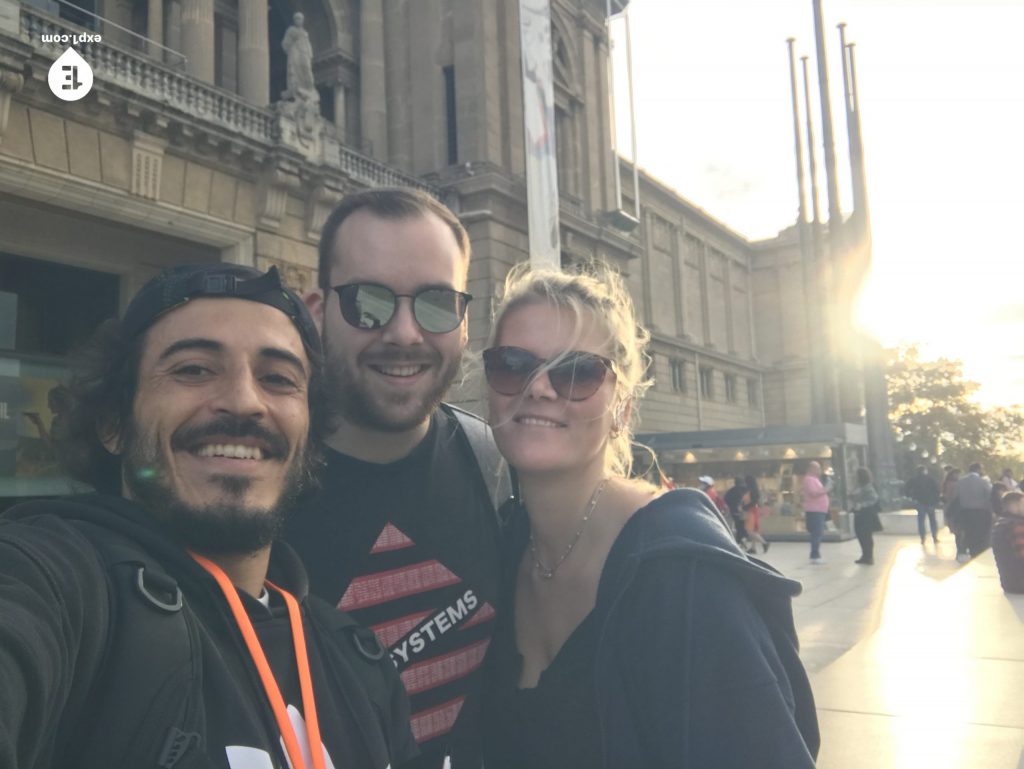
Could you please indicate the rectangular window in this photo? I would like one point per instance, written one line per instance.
(450, 112)
(565, 152)
(326, 102)
(225, 63)
(730, 388)
(679, 376)
(752, 392)
(707, 379)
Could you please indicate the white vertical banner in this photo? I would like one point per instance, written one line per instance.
(539, 127)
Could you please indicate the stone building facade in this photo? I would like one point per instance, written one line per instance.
(184, 151)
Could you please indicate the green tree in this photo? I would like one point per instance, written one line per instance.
(934, 417)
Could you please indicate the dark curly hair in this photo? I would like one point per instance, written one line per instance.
(103, 388)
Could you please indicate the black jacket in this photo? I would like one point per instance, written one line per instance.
(697, 664)
(1008, 550)
(924, 490)
(734, 499)
(93, 675)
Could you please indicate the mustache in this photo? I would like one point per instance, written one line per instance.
(189, 437)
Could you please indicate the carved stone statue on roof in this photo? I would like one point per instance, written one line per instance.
(299, 52)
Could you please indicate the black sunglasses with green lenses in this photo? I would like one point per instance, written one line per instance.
(370, 306)
(576, 376)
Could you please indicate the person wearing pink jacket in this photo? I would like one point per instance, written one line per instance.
(815, 509)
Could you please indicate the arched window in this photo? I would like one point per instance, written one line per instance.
(568, 106)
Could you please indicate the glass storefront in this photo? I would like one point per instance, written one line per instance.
(47, 310)
(776, 457)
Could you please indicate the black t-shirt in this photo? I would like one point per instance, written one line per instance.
(554, 725)
(410, 549)
(231, 723)
(734, 499)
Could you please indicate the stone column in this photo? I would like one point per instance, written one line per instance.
(677, 249)
(705, 289)
(172, 33)
(340, 114)
(609, 157)
(155, 27)
(399, 119)
(10, 17)
(197, 38)
(730, 330)
(373, 96)
(647, 238)
(253, 52)
(10, 83)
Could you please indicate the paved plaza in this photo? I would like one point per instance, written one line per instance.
(915, 661)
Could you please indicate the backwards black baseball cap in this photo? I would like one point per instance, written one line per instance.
(175, 286)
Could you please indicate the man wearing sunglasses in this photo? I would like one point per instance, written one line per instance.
(403, 533)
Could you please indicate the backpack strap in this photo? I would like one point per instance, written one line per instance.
(375, 693)
(151, 671)
(493, 468)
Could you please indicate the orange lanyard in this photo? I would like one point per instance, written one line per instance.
(284, 723)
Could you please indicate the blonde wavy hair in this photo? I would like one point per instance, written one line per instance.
(595, 295)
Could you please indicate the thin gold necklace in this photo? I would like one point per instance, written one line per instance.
(548, 573)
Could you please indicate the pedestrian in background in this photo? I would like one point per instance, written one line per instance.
(949, 509)
(865, 504)
(996, 498)
(1007, 480)
(924, 490)
(707, 485)
(816, 503)
(752, 515)
(1008, 543)
(734, 500)
(974, 510)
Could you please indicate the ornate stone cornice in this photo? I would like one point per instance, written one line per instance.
(324, 195)
(280, 176)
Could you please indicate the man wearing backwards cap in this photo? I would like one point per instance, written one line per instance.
(165, 627)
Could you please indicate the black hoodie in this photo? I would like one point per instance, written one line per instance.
(92, 675)
(696, 663)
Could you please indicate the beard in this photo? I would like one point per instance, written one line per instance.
(354, 400)
(227, 526)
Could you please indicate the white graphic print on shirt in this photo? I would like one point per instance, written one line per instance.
(241, 757)
(427, 641)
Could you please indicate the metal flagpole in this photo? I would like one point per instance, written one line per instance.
(821, 271)
(805, 256)
(881, 454)
(835, 223)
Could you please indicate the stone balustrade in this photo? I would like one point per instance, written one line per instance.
(376, 174)
(142, 75)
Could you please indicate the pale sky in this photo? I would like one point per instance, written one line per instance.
(941, 87)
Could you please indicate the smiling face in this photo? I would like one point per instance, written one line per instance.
(539, 431)
(390, 379)
(220, 422)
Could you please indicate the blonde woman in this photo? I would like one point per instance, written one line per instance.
(634, 631)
